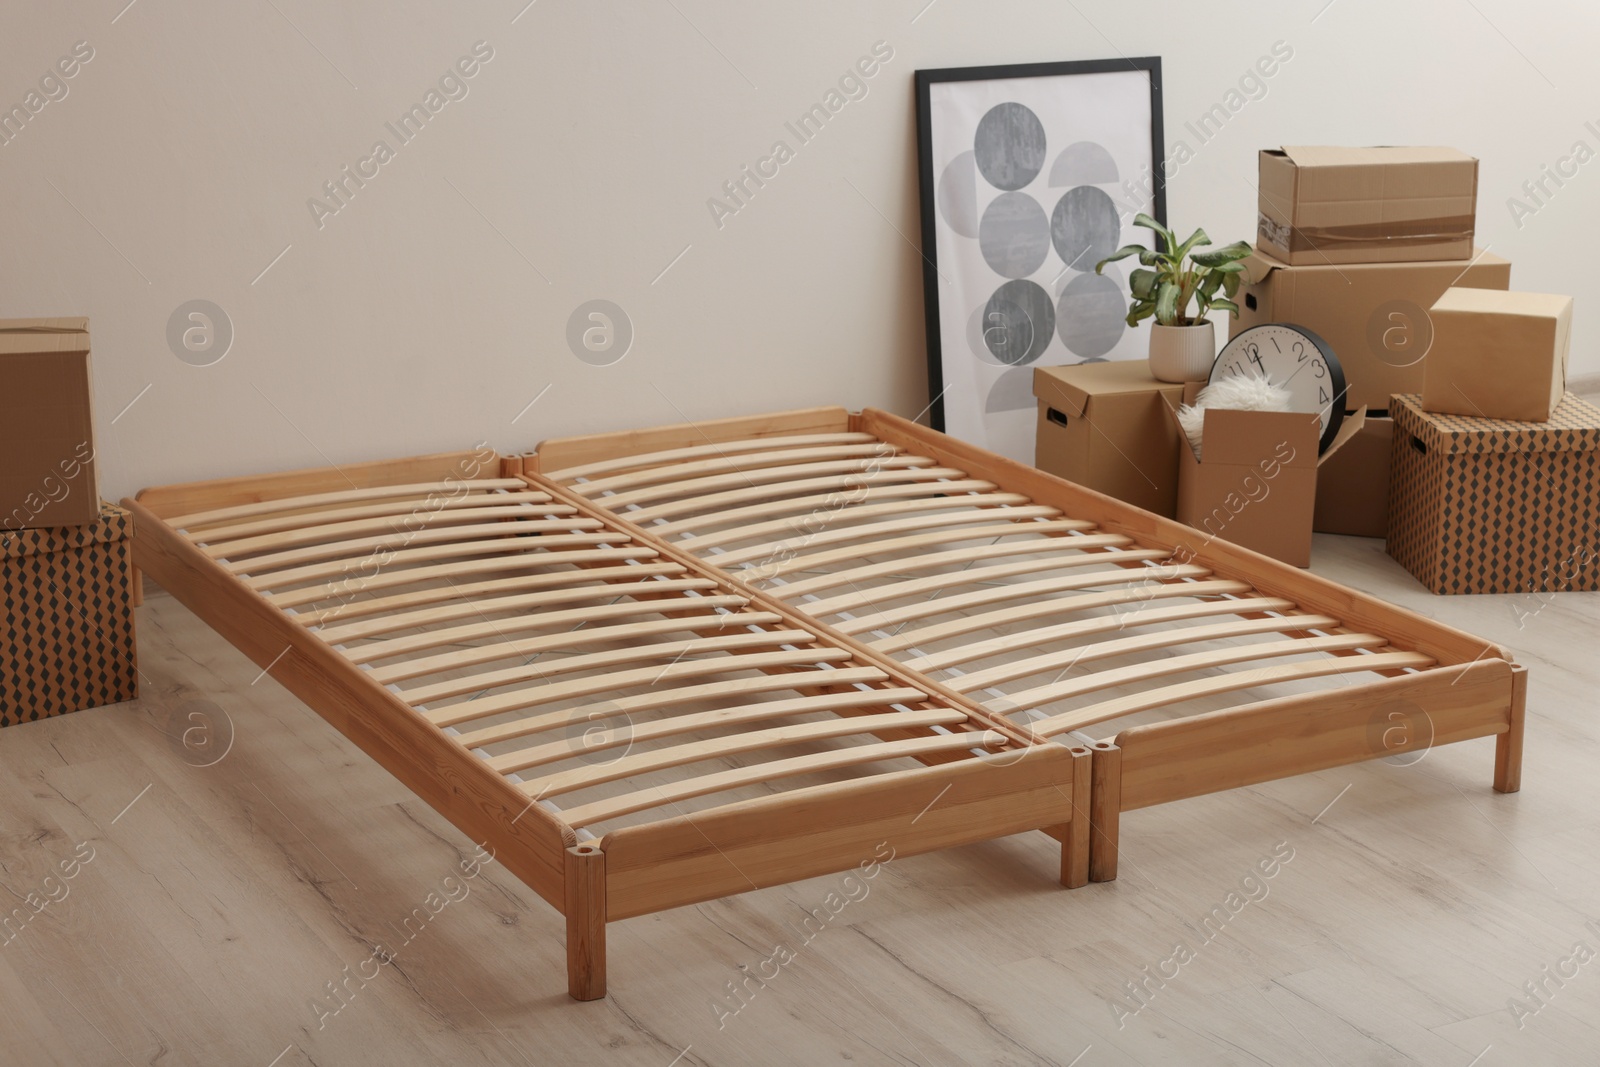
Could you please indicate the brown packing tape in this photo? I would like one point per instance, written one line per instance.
(1367, 234)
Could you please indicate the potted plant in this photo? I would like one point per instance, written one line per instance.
(1167, 282)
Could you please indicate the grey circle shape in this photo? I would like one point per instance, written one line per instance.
(1084, 227)
(1014, 235)
(599, 332)
(958, 195)
(199, 332)
(1009, 146)
(1018, 322)
(1090, 315)
(1399, 332)
(1084, 163)
(1012, 391)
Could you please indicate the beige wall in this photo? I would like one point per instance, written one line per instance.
(429, 311)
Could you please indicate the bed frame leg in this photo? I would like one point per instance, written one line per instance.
(1105, 811)
(1508, 746)
(586, 922)
(1075, 845)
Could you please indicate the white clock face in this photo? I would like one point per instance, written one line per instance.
(1295, 358)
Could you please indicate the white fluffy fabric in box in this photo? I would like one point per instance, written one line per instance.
(1237, 392)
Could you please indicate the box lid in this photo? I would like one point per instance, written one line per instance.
(1321, 155)
(1071, 386)
(1574, 426)
(1258, 265)
(44, 335)
(114, 524)
(1504, 302)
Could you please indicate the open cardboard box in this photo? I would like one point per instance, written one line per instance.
(1255, 482)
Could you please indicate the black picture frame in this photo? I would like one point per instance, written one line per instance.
(925, 80)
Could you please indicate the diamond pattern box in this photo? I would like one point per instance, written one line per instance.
(1493, 506)
(66, 607)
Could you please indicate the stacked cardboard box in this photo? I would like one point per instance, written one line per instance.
(1356, 245)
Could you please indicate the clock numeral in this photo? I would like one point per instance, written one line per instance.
(1322, 396)
(1321, 368)
(1300, 350)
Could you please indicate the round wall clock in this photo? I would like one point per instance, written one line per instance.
(1295, 358)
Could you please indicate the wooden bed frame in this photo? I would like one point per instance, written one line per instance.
(497, 645)
(876, 527)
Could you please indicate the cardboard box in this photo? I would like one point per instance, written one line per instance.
(1255, 483)
(1497, 355)
(47, 473)
(1353, 485)
(1104, 426)
(1373, 315)
(1495, 506)
(1324, 204)
(66, 605)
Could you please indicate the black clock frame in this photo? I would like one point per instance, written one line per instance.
(1336, 376)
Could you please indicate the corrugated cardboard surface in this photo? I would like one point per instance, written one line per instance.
(1353, 484)
(1499, 355)
(1373, 315)
(1326, 204)
(66, 602)
(47, 475)
(1104, 426)
(1490, 506)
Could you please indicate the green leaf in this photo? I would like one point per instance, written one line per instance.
(1231, 283)
(1123, 253)
(1167, 239)
(1141, 310)
(1195, 240)
(1210, 284)
(1226, 305)
(1167, 304)
(1142, 283)
(1226, 254)
(1228, 268)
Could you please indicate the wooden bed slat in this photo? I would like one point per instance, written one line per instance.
(551, 531)
(650, 459)
(397, 509)
(699, 487)
(919, 476)
(468, 657)
(571, 452)
(468, 602)
(483, 707)
(386, 577)
(400, 646)
(351, 607)
(660, 699)
(636, 733)
(1101, 650)
(466, 522)
(722, 655)
(659, 796)
(1120, 620)
(563, 782)
(545, 544)
(907, 496)
(1225, 683)
(1041, 528)
(1061, 552)
(949, 511)
(315, 500)
(726, 462)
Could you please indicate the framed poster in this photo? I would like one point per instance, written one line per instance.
(1030, 175)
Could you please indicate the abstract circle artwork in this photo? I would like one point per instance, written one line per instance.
(1018, 322)
(1014, 235)
(1009, 146)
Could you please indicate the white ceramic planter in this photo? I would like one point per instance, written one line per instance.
(1182, 353)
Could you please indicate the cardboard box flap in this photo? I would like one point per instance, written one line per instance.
(44, 335)
(1235, 438)
(1353, 421)
(1258, 265)
(1070, 388)
(1322, 155)
(1574, 426)
(114, 524)
(1063, 396)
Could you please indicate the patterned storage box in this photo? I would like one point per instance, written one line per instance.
(1492, 506)
(67, 611)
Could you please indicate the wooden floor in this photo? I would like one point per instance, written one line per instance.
(212, 910)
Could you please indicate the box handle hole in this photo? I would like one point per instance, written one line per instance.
(1250, 301)
(1055, 416)
(1416, 443)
